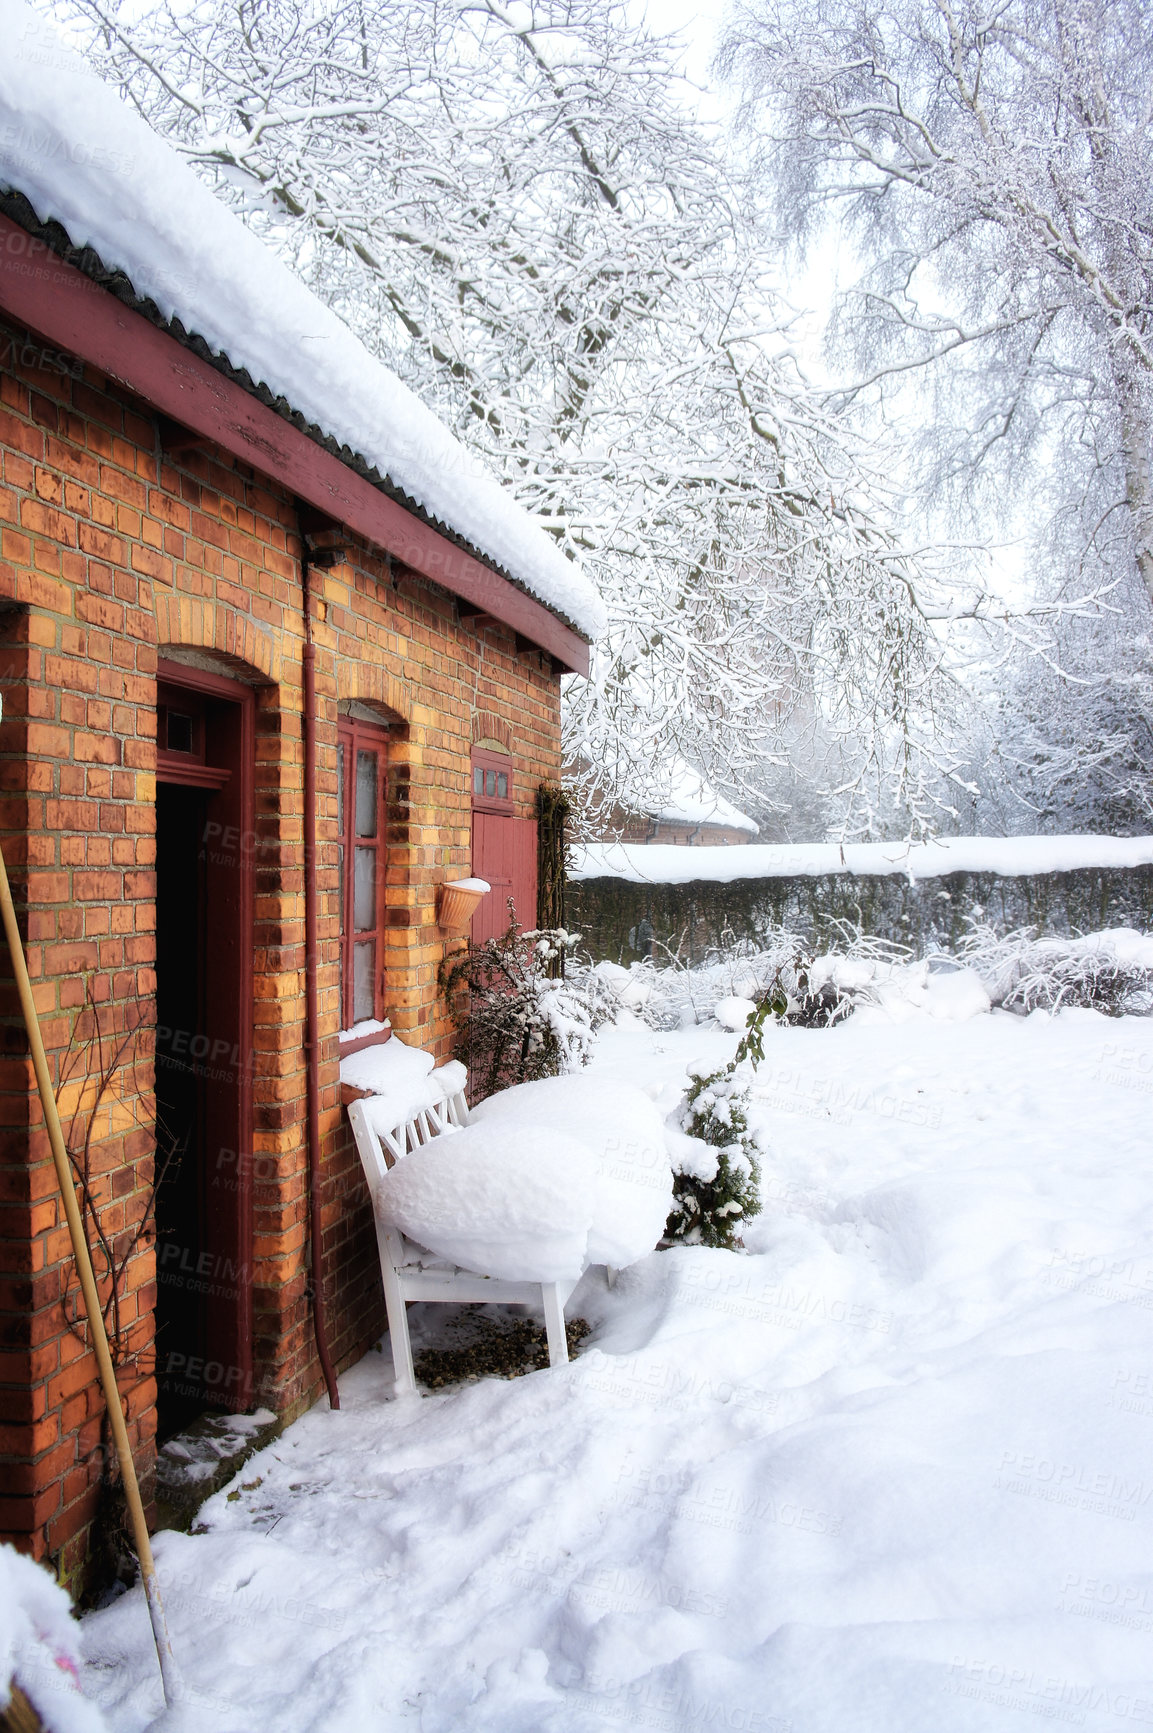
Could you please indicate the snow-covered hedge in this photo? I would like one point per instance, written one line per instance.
(1007, 856)
(692, 902)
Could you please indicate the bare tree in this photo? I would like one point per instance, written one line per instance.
(993, 165)
(517, 209)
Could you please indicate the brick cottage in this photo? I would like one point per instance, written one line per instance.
(253, 692)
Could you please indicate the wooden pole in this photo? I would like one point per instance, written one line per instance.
(168, 1670)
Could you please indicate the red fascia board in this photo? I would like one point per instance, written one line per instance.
(56, 301)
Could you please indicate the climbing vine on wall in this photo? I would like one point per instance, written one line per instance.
(552, 811)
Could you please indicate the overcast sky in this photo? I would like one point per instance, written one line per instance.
(697, 25)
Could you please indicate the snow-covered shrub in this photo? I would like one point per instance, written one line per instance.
(803, 996)
(515, 1021)
(1110, 971)
(716, 1182)
(884, 976)
(670, 994)
(806, 990)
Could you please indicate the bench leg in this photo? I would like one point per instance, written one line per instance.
(554, 1323)
(398, 1334)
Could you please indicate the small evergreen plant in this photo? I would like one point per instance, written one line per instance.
(713, 1200)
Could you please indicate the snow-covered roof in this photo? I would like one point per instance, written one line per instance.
(692, 800)
(83, 159)
(1010, 856)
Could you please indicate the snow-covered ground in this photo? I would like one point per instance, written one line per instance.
(890, 1472)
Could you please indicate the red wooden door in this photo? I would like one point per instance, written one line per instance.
(503, 848)
(504, 853)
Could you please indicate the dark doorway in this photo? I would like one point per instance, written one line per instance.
(204, 850)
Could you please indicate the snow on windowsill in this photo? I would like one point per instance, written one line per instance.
(359, 1031)
(400, 1081)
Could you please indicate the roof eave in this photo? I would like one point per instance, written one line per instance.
(180, 379)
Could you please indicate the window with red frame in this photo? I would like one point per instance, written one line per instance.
(491, 781)
(362, 758)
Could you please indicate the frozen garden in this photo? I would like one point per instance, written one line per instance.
(557, 443)
(885, 1469)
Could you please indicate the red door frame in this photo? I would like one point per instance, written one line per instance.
(229, 1113)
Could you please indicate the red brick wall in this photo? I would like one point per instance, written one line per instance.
(111, 553)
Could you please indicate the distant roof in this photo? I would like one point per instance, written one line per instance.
(692, 800)
(84, 160)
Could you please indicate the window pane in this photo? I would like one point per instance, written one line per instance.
(364, 889)
(478, 780)
(181, 732)
(340, 787)
(490, 782)
(502, 785)
(366, 794)
(363, 973)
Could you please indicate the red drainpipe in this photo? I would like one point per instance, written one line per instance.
(312, 1002)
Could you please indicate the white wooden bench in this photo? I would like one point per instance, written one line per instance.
(409, 1271)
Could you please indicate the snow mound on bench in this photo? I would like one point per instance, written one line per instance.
(514, 1201)
(40, 1647)
(622, 1127)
